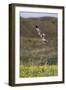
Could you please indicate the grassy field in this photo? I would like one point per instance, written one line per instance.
(37, 59)
(38, 71)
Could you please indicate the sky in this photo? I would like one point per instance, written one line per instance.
(35, 14)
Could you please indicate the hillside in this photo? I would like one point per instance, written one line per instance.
(32, 49)
(47, 25)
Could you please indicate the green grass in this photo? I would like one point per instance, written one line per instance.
(38, 71)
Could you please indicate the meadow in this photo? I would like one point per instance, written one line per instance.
(37, 59)
(38, 71)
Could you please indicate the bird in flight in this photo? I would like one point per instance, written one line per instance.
(42, 36)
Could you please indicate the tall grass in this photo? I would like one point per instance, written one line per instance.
(38, 71)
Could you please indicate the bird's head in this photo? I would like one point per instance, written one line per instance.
(36, 26)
